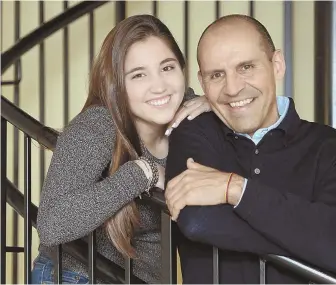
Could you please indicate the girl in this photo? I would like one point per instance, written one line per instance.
(115, 150)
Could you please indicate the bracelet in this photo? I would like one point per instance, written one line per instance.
(155, 173)
(227, 188)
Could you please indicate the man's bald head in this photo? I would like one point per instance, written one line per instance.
(239, 68)
(239, 21)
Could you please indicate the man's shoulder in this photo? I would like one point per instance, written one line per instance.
(205, 126)
(319, 129)
(319, 134)
(204, 122)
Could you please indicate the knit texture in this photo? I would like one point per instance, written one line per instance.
(76, 200)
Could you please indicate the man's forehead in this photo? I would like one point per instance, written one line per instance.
(229, 43)
(230, 34)
(234, 48)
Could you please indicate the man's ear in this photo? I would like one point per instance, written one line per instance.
(279, 64)
(200, 79)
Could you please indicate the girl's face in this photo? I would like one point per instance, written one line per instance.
(154, 81)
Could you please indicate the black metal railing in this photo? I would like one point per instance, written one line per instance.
(3, 212)
(48, 137)
(47, 29)
(106, 270)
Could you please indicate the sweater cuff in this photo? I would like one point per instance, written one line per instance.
(250, 201)
(244, 187)
(133, 171)
(258, 202)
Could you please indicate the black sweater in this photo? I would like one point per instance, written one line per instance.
(289, 208)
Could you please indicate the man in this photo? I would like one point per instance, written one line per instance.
(251, 177)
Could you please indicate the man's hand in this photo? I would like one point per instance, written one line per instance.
(201, 186)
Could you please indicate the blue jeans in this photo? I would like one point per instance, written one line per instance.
(43, 273)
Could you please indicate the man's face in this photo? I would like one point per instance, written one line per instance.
(239, 78)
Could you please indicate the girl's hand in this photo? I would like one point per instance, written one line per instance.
(190, 109)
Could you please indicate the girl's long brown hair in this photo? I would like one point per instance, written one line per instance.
(107, 88)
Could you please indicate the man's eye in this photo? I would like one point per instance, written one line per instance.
(217, 75)
(168, 68)
(247, 67)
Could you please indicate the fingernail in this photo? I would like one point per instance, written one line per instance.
(189, 117)
(168, 131)
(174, 125)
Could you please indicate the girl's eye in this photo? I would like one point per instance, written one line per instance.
(139, 75)
(168, 68)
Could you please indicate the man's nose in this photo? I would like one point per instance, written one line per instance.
(234, 84)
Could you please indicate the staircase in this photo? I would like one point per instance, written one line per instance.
(36, 132)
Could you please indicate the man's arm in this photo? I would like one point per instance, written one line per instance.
(307, 229)
(215, 225)
(265, 220)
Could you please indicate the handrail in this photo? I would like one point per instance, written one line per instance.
(301, 269)
(106, 269)
(307, 272)
(26, 123)
(42, 32)
(48, 137)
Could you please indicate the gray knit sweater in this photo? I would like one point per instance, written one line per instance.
(75, 200)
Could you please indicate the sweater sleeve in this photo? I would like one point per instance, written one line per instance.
(189, 94)
(305, 228)
(216, 225)
(75, 199)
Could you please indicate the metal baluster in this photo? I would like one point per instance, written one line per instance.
(324, 60)
(155, 8)
(215, 265)
(66, 69)
(251, 8)
(128, 270)
(41, 92)
(288, 51)
(16, 150)
(3, 200)
(92, 257)
(17, 76)
(92, 236)
(186, 37)
(27, 212)
(218, 9)
(262, 271)
(333, 67)
(120, 11)
(58, 266)
(168, 250)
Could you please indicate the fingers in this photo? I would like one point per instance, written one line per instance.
(188, 174)
(190, 102)
(190, 109)
(185, 112)
(177, 209)
(176, 188)
(198, 111)
(177, 201)
(192, 165)
(172, 183)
